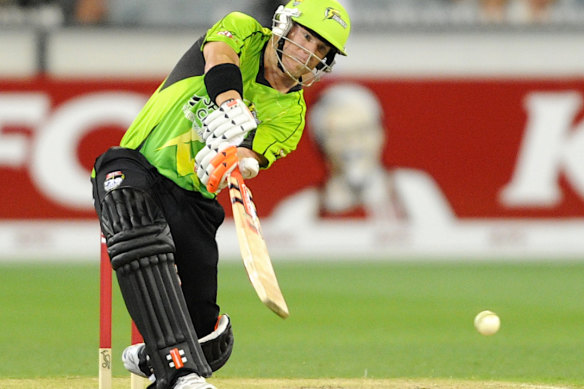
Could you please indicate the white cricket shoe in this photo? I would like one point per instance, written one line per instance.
(136, 361)
(192, 381)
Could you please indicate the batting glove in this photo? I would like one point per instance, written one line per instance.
(249, 167)
(214, 165)
(230, 123)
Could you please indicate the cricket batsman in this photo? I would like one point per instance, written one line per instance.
(234, 100)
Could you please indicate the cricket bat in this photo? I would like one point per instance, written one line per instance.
(252, 245)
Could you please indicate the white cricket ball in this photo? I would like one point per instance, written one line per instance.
(487, 323)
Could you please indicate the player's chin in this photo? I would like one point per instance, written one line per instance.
(296, 68)
(308, 79)
(303, 72)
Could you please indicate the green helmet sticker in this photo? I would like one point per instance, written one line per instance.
(327, 18)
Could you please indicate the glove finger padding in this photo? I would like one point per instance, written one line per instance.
(211, 118)
(203, 157)
(233, 136)
(216, 143)
(202, 160)
(233, 116)
(219, 168)
(239, 131)
(222, 126)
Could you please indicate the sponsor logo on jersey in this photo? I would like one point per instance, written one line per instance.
(225, 33)
(113, 180)
(196, 109)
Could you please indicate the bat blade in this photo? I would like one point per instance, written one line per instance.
(252, 245)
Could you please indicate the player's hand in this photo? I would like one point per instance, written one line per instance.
(214, 165)
(230, 123)
(249, 167)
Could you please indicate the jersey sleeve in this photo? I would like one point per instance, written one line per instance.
(233, 29)
(275, 139)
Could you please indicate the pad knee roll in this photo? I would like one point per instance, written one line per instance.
(134, 226)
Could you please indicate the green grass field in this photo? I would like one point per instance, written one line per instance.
(374, 320)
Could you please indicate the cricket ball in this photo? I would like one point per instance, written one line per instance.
(487, 323)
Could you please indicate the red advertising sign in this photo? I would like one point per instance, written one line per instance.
(495, 148)
(399, 166)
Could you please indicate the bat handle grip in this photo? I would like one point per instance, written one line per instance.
(235, 173)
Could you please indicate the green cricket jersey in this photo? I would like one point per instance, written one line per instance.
(167, 129)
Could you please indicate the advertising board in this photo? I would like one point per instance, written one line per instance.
(472, 167)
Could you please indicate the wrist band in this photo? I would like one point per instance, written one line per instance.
(222, 78)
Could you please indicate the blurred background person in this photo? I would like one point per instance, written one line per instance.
(47, 14)
(85, 11)
(493, 11)
(44, 14)
(533, 11)
(170, 13)
(519, 11)
(346, 123)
